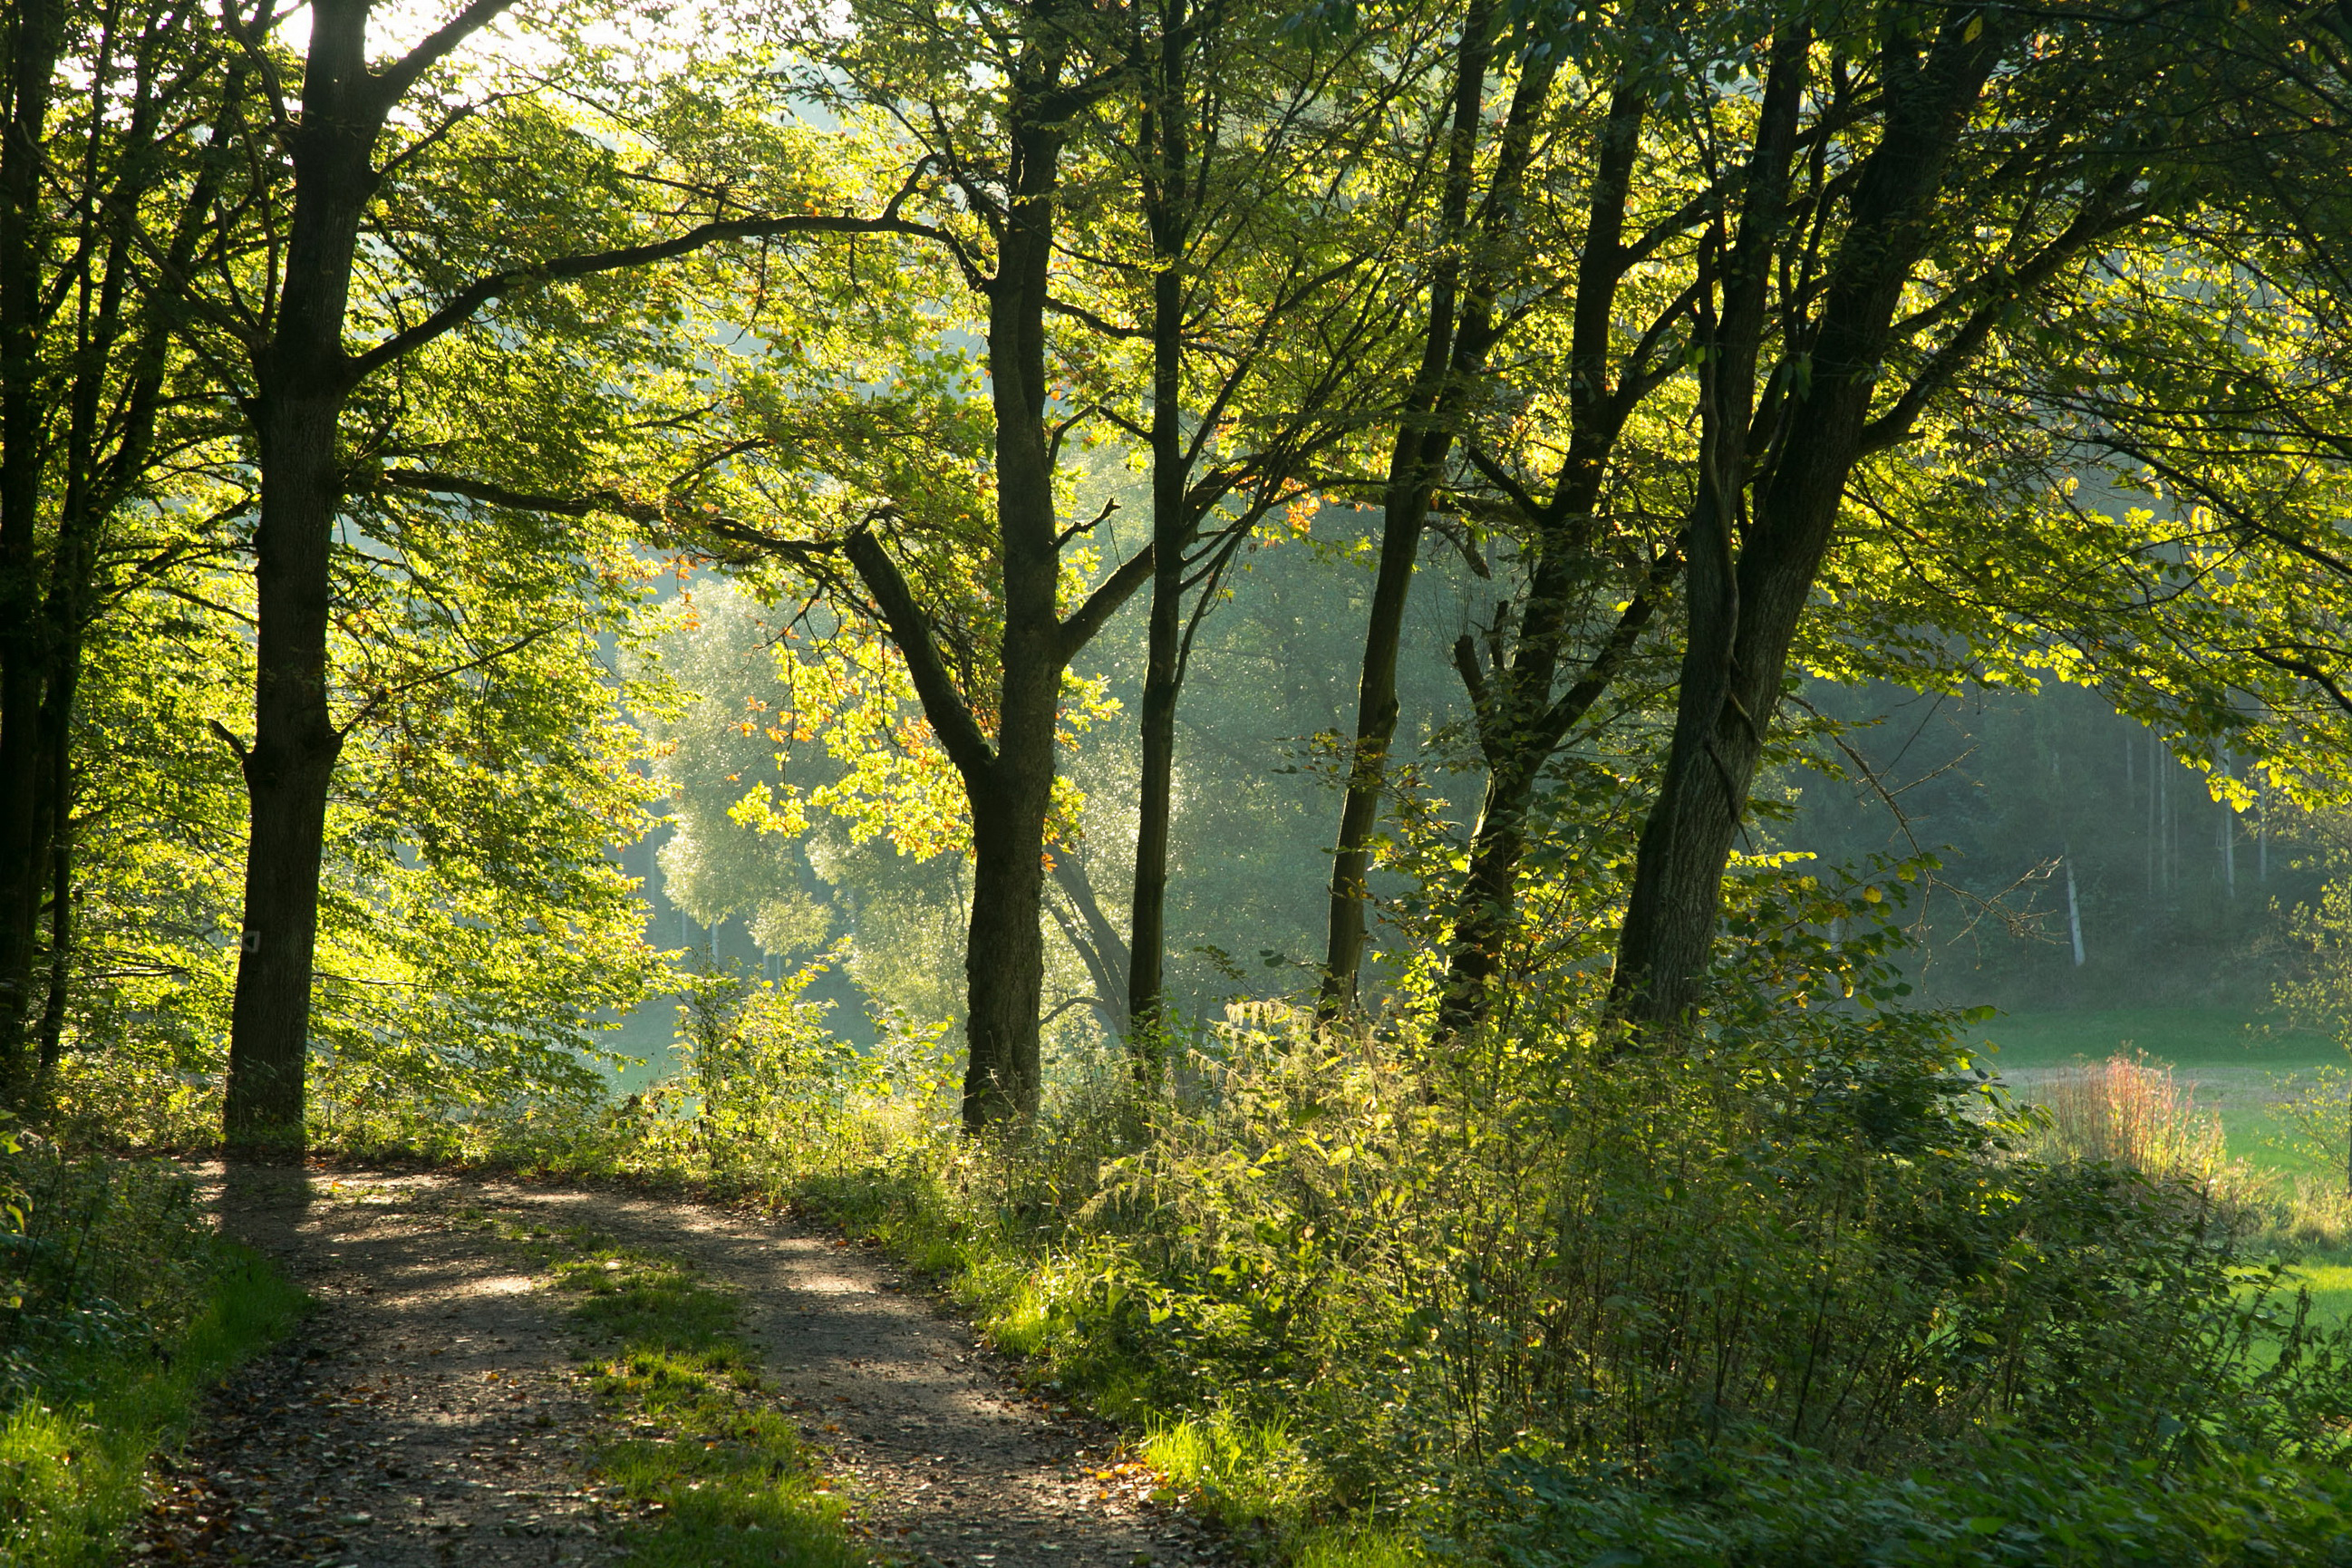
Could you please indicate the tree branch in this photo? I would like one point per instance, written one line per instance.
(461, 306)
(910, 628)
(814, 555)
(1089, 618)
(2098, 218)
(1605, 664)
(395, 79)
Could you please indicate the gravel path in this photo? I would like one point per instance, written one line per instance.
(430, 1414)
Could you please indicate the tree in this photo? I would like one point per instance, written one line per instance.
(1485, 164)
(970, 589)
(300, 377)
(1263, 281)
(106, 113)
(2005, 219)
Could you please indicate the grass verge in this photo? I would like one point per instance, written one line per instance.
(74, 1448)
(717, 1476)
(1249, 1477)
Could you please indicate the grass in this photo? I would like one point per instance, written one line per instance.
(2330, 1285)
(73, 1466)
(2229, 1061)
(2224, 1063)
(717, 1475)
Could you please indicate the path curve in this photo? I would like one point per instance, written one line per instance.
(430, 1412)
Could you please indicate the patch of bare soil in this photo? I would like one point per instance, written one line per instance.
(432, 1412)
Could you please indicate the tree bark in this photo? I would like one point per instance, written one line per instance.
(1749, 588)
(1460, 331)
(1168, 173)
(1520, 722)
(34, 41)
(289, 770)
(303, 380)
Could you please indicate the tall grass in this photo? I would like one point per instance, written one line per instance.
(2129, 1111)
(2133, 1113)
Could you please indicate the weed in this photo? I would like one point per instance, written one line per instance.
(717, 1474)
(2130, 1111)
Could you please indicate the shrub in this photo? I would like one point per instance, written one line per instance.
(130, 1309)
(2030, 1505)
(1353, 1286)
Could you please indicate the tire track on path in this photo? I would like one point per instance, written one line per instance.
(430, 1414)
(959, 1468)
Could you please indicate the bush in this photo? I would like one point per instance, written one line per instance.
(2030, 1505)
(129, 1308)
(1523, 1289)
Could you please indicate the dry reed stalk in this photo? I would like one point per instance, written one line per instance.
(2131, 1111)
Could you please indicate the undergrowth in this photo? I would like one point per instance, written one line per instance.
(1533, 1298)
(128, 1310)
(717, 1475)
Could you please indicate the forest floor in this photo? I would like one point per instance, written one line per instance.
(438, 1408)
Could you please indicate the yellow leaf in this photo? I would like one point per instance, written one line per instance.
(1974, 30)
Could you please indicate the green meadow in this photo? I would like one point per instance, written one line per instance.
(2230, 1061)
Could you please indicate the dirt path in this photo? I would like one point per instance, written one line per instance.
(431, 1414)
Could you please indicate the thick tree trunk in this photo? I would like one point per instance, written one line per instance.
(1004, 964)
(34, 41)
(304, 379)
(1004, 959)
(1744, 608)
(287, 771)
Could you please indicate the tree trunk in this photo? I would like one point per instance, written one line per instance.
(303, 380)
(287, 771)
(1415, 462)
(33, 41)
(1004, 964)
(1520, 722)
(1744, 608)
(1168, 173)
(53, 1012)
(1004, 959)
(1485, 908)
